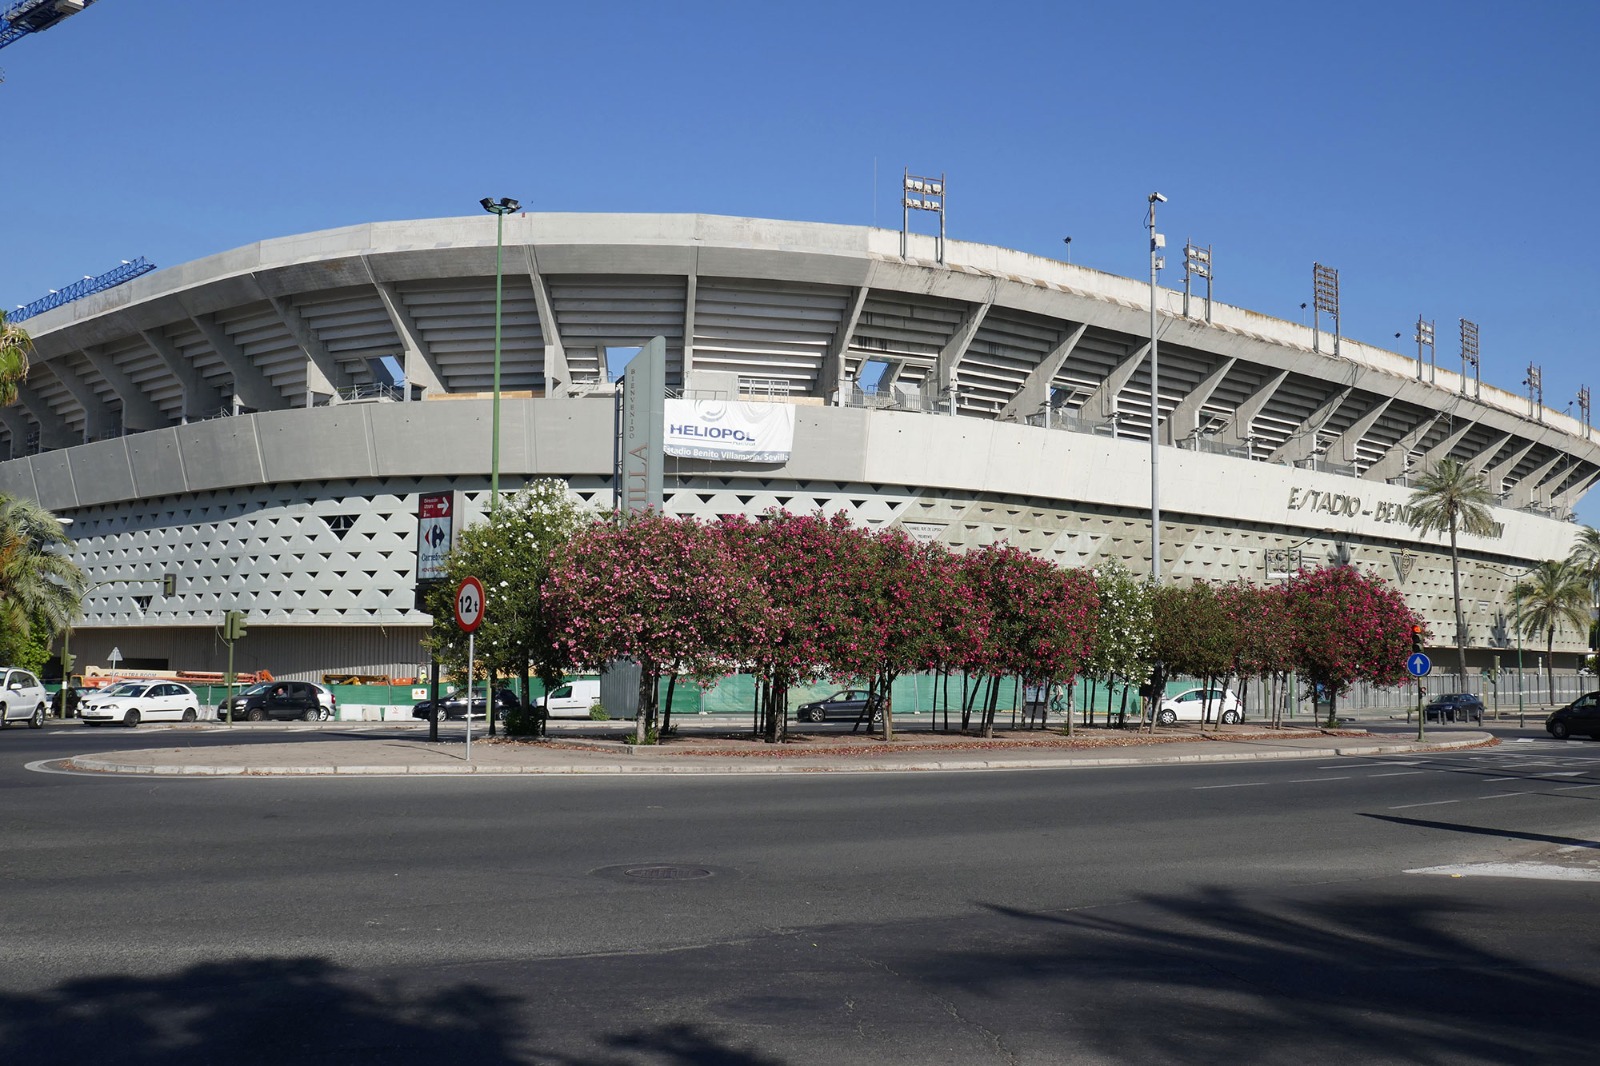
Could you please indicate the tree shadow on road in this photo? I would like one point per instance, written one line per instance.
(1217, 976)
(274, 1011)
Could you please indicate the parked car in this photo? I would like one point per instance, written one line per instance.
(22, 698)
(571, 699)
(455, 706)
(303, 700)
(1456, 707)
(1581, 716)
(73, 695)
(1201, 704)
(847, 703)
(133, 702)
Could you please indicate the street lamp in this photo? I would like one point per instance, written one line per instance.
(1157, 242)
(500, 209)
(168, 584)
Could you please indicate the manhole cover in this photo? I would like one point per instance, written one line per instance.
(666, 873)
(659, 872)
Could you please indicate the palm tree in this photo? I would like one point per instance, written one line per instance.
(15, 344)
(38, 586)
(1585, 558)
(1453, 497)
(1552, 594)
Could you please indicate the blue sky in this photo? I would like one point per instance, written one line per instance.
(1437, 154)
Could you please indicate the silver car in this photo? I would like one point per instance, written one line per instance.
(22, 698)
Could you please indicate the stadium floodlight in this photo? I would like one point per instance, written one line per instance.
(1325, 294)
(930, 198)
(1535, 383)
(1583, 408)
(1424, 339)
(1469, 357)
(500, 209)
(1196, 264)
(1157, 242)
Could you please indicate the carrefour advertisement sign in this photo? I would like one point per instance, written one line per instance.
(729, 431)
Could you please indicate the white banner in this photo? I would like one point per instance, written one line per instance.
(730, 431)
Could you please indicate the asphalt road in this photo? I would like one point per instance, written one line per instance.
(1254, 912)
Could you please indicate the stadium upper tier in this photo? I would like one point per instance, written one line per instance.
(818, 314)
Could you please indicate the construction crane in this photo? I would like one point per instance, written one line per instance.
(33, 16)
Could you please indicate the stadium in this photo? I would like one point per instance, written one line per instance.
(260, 423)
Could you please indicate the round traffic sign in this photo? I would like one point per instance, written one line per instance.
(1419, 665)
(469, 604)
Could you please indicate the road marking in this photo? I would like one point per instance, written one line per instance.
(1308, 780)
(1242, 784)
(1340, 767)
(1399, 773)
(1504, 795)
(1568, 788)
(1487, 780)
(1537, 870)
(1435, 803)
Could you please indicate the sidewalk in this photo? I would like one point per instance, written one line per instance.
(356, 754)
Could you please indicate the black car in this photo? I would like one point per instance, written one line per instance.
(277, 699)
(455, 706)
(1581, 716)
(74, 695)
(846, 704)
(1457, 707)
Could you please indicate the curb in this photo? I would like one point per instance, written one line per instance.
(748, 768)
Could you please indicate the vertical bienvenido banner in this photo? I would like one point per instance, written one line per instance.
(644, 386)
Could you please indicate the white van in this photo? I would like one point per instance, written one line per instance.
(572, 699)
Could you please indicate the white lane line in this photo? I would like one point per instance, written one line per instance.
(1538, 870)
(1435, 803)
(1504, 795)
(1569, 788)
(1400, 773)
(1310, 780)
(1565, 773)
(1242, 784)
(1346, 767)
(1488, 780)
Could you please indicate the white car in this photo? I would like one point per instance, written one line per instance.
(22, 698)
(1201, 704)
(133, 702)
(571, 700)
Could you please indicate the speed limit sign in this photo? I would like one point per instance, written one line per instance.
(469, 604)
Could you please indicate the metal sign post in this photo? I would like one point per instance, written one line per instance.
(1418, 665)
(469, 616)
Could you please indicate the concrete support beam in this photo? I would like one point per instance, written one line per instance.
(1302, 443)
(324, 375)
(1184, 421)
(139, 412)
(1497, 474)
(53, 432)
(1392, 464)
(417, 360)
(1568, 498)
(1242, 429)
(200, 400)
(1526, 491)
(1476, 464)
(1342, 448)
(955, 349)
(1034, 394)
(250, 385)
(831, 377)
(19, 426)
(1443, 448)
(556, 375)
(1100, 406)
(691, 283)
(99, 421)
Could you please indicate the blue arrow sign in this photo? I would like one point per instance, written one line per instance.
(1418, 665)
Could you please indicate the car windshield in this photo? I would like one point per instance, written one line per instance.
(256, 689)
(127, 688)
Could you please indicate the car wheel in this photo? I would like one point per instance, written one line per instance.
(131, 719)
(256, 714)
(3, 721)
(37, 721)
(324, 715)
(1558, 730)
(1167, 717)
(877, 717)
(1230, 717)
(312, 714)
(190, 715)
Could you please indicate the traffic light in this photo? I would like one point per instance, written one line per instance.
(67, 659)
(233, 625)
(169, 584)
(1416, 638)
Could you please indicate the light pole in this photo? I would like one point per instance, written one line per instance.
(1157, 242)
(500, 209)
(168, 584)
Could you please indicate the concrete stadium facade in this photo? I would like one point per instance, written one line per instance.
(238, 421)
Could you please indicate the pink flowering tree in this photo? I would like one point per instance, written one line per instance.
(664, 592)
(1042, 619)
(1348, 627)
(1265, 632)
(1195, 634)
